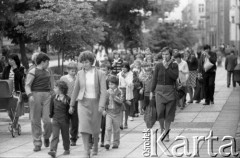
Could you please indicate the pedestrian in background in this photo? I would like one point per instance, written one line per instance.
(126, 86)
(69, 79)
(192, 63)
(230, 64)
(209, 75)
(59, 112)
(182, 77)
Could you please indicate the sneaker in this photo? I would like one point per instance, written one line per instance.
(52, 153)
(107, 146)
(131, 118)
(37, 148)
(46, 143)
(66, 152)
(115, 146)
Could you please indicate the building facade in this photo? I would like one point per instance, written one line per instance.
(217, 22)
(194, 14)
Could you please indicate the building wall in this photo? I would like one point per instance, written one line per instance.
(234, 24)
(217, 22)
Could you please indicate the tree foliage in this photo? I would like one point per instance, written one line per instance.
(175, 36)
(66, 25)
(125, 21)
(10, 22)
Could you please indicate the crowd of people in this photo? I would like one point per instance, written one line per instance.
(100, 95)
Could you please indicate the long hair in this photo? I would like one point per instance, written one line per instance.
(16, 59)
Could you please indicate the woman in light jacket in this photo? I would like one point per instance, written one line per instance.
(90, 92)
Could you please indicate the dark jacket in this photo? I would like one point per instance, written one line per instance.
(231, 62)
(212, 59)
(163, 76)
(18, 77)
(192, 63)
(66, 108)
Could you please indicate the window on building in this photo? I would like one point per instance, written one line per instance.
(201, 8)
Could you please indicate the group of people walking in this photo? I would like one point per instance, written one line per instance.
(103, 96)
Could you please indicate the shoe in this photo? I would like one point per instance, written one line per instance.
(102, 145)
(228, 86)
(46, 143)
(107, 146)
(212, 102)
(66, 152)
(125, 127)
(136, 115)
(131, 118)
(181, 108)
(166, 138)
(115, 146)
(198, 101)
(52, 153)
(73, 143)
(206, 104)
(121, 127)
(190, 101)
(37, 148)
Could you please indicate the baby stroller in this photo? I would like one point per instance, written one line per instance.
(10, 102)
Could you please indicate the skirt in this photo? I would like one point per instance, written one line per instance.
(191, 82)
(89, 116)
(165, 102)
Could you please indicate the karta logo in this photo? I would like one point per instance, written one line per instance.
(152, 143)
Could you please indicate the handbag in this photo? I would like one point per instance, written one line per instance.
(180, 90)
(207, 65)
(150, 114)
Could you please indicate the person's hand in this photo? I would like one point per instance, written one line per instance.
(14, 66)
(31, 99)
(141, 91)
(100, 109)
(71, 110)
(151, 96)
(165, 64)
(104, 113)
(111, 92)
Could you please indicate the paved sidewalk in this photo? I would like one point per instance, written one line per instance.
(194, 120)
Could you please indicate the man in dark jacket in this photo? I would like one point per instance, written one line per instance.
(230, 64)
(209, 75)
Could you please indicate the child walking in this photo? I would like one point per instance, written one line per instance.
(60, 118)
(113, 113)
(69, 79)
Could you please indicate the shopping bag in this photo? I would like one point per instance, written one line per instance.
(207, 65)
(150, 115)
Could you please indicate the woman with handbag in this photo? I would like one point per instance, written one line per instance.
(164, 79)
(14, 71)
(208, 68)
(90, 92)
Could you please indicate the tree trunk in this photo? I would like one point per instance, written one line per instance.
(106, 49)
(1, 41)
(59, 58)
(24, 58)
(43, 45)
(62, 62)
